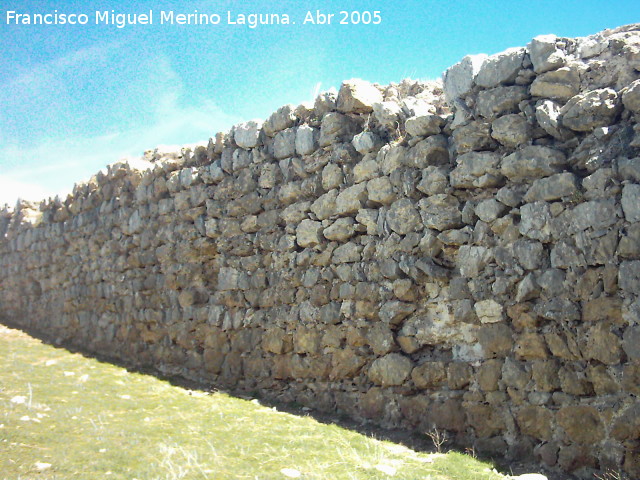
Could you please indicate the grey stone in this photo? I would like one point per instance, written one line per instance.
(547, 115)
(366, 142)
(306, 140)
(475, 136)
(472, 259)
(440, 212)
(434, 180)
(512, 195)
(332, 176)
(552, 188)
(458, 79)
(380, 190)
(391, 370)
(511, 130)
(545, 54)
(347, 253)
(247, 134)
(631, 97)
(325, 206)
(489, 210)
(336, 127)
(388, 114)
(365, 170)
(341, 230)
(281, 119)
(489, 311)
(325, 102)
(561, 84)
(631, 202)
(424, 125)
(357, 96)
(529, 254)
(500, 68)
(590, 110)
(595, 214)
(403, 217)
(631, 342)
(394, 312)
(535, 221)
(477, 170)
(629, 276)
(532, 162)
(499, 101)
(295, 212)
(351, 199)
(629, 169)
(432, 150)
(284, 145)
(309, 233)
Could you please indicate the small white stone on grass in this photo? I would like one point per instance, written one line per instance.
(41, 466)
(386, 469)
(291, 473)
(19, 400)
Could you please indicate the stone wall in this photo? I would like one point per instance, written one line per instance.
(461, 255)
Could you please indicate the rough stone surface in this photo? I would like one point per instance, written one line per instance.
(470, 264)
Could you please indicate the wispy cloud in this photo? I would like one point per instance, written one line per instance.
(50, 164)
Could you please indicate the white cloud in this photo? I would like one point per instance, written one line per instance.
(49, 166)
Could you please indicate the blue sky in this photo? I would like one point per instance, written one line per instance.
(76, 98)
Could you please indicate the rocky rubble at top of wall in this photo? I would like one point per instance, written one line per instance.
(462, 254)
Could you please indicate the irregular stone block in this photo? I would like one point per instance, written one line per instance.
(500, 68)
(391, 370)
(247, 134)
(458, 79)
(545, 54)
(357, 96)
(561, 84)
(590, 110)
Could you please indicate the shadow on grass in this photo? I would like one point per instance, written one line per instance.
(413, 440)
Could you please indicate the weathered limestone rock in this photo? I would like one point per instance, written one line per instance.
(532, 162)
(306, 140)
(341, 230)
(582, 423)
(586, 111)
(390, 370)
(424, 125)
(366, 142)
(284, 145)
(247, 134)
(631, 202)
(440, 212)
(489, 311)
(309, 233)
(631, 97)
(501, 68)
(475, 136)
(477, 170)
(337, 127)
(357, 96)
(552, 188)
(561, 84)
(458, 79)
(352, 199)
(403, 217)
(499, 101)
(511, 130)
(281, 119)
(545, 54)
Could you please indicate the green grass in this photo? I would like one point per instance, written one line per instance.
(65, 416)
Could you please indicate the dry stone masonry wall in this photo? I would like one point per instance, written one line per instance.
(461, 255)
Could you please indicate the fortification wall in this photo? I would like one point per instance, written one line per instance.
(462, 255)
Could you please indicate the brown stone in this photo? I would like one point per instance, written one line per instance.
(429, 375)
(599, 343)
(489, 374)
(459, 375)
(573, 457)
(545, 375)
(372, 403)
(603, 309)
(627, 425)
(414, 409)
(447, 415)
(603, 383)
(530, 346)
(485, 420)
(536, 422)
(582, 424)
(574, 382)
(631, 379)
(276, 340)
(345, 364)
(522, 316)
(391, 370)
(496, 340)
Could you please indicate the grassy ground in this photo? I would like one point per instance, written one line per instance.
(64, 416)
